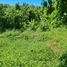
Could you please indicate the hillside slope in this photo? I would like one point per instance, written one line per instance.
(33, 49)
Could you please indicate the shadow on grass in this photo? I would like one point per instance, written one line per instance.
(63, 60)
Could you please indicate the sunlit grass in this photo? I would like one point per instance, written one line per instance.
(32, 49)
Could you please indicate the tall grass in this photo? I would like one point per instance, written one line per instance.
(32, 49)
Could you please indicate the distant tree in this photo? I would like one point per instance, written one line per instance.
(50, 2)
(17, 6)
(44, 3)
(50, 7)
(2, 16)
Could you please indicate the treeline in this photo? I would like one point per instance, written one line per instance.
(49, 15)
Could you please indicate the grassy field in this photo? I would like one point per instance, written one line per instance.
(33, 49)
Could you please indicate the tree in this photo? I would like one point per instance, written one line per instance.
(17, 6)
(50, 7)
(2, 16)
(62, 10)
(44, 3)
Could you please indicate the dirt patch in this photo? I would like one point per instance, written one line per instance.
(55, 46)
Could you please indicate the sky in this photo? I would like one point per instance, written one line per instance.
(13, 2)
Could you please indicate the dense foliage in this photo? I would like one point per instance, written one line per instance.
(23, 42)
(49, 15)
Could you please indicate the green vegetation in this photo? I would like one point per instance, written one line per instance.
(34, 36)
(39, 49)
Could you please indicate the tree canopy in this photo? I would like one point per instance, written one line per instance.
(49, 14)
